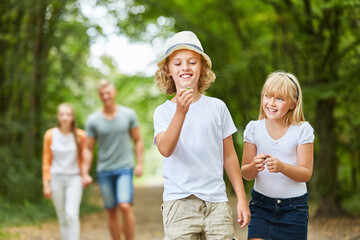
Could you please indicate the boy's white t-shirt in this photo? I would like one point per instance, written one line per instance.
(277, 185)
(196, 165)
(64, 153)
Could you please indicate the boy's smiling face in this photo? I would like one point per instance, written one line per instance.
(185, 68)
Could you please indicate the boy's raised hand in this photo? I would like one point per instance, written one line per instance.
(184, 98)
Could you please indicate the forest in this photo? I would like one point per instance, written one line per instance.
(44, 61)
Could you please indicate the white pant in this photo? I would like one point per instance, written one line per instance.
(66, 196)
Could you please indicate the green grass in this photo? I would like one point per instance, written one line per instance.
(27, 213)
(30, 213)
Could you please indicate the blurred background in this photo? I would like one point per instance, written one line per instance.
(54, 51)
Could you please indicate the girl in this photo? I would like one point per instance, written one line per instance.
(278, 154)
(194, 134)
(61, 170)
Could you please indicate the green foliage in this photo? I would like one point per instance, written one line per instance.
(45, 48)
(352, 204)
(25, 213)
(28, 212)
(318, 41)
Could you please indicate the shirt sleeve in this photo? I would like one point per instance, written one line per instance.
(306, 134)
(89, 127)
(229, 127)
(47, 155)
(133, 120)
(161, 121)
(249, 132)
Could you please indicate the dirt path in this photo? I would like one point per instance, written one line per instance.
(149, 223)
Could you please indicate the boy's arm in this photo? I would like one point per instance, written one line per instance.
(139, 149)
(232, 168)
(87, 160)
(167, 141)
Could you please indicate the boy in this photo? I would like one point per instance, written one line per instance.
(194, 134)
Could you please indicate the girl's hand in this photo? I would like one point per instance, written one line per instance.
(243, 213)
(273, 164)
(184, 98)
(86, 180)
(47, 190)
(259, 162)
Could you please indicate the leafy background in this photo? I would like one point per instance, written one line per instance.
(45, 48)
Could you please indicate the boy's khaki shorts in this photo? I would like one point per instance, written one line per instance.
(192, 218)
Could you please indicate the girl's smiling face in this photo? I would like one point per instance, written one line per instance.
(185, 68)
(276, 106)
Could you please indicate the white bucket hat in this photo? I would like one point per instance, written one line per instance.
(184, 40)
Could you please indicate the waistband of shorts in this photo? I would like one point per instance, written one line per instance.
(115, 171)
(295, 200)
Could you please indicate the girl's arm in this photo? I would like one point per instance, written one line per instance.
(167, 141)
(81, 135)
(88, 152)
(251, 163)
(46, 164)
(300, 173)
(232, 168)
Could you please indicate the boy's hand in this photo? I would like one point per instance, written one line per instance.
(243, 213)
(184, 98)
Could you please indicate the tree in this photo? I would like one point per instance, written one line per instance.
(249, 39)
(40, 42)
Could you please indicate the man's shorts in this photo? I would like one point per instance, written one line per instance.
(193, 218)
(116, 187)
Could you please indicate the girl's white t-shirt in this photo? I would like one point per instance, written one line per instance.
(196, 165)
(64, 153)
(277, 185)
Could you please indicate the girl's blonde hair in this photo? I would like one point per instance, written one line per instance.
(286, 85)
(166, 83)
(73, 124)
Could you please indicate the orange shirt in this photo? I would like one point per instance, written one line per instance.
(47, 153)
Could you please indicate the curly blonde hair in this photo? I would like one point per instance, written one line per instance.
(166, 83)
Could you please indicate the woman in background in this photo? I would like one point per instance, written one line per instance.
(61, 170)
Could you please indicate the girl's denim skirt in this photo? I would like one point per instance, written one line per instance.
(278, 218)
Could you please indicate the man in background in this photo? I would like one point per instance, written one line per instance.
(115, 128)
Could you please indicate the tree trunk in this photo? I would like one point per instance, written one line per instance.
(354, 169)
(326, 163)
(36, 81)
